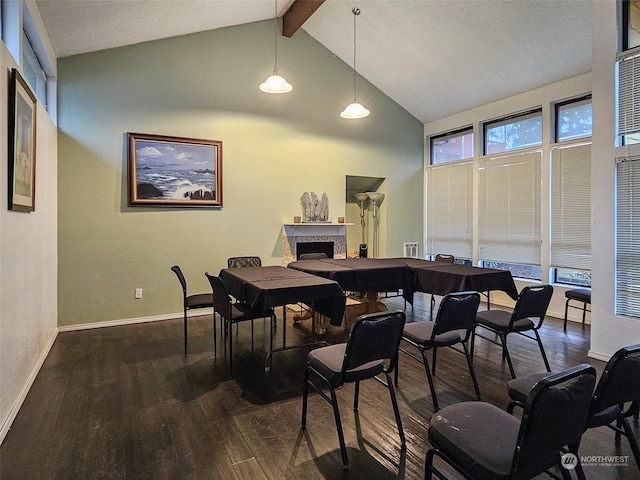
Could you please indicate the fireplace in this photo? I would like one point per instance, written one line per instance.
(314, 247)
(313, 237)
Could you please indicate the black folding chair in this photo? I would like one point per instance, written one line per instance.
(371, 350)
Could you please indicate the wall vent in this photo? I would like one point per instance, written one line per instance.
(411, 249)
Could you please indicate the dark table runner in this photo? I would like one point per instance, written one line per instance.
(268, 287)
(362, 274)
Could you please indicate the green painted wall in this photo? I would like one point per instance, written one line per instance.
(275, 147)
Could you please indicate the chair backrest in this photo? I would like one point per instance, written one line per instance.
(239, 262)
(532, 303)
(221, 298)
(374, 337)
(313, 256)
(620, 380)
(457, 311)
(554, 416)
(444, 258)
(176, 269)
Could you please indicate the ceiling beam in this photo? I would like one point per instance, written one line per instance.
(297, 14)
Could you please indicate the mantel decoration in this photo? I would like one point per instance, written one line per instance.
(313, 208)
(174, 172)
(22, 145)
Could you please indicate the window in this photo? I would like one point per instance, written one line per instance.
(509, 209)
(33, 70)
(627, 300)
(452, 146)
(571, 213)
(631, 24)
(450, 209)
(513, 133)
(573, 119)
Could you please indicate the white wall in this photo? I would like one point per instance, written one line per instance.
(608, 331)
(28, 264)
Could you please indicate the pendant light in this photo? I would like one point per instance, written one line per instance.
(355, 109)
(275, 83)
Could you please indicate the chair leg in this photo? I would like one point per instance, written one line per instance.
(215, 340)
(632, 440)
(505, 354)
(252, 335)
(566, 312)
(544, 355)
(396, 410)
(231, 350)
(185, 331)
(430, 380)
(336, 414)
(356, 396)
(305, 395)
(433, 360)
(584, 313)
(471, 370)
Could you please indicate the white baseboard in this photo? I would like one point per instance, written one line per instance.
(126, 321)
(598, 356)
(6, 425)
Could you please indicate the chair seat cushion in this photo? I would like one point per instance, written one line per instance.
(200, 300)
(242, 311)
(478, 436)
(605, 417)
(498, 320)
(327, 361)
(519, 388)
(580, 294)
(420, 333)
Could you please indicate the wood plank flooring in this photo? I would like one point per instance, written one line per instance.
(126, 403)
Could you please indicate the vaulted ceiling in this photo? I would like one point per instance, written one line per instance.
(433, 57)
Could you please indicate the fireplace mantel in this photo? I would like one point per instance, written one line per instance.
(294, 233)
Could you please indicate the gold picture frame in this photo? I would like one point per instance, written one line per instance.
(169, 171)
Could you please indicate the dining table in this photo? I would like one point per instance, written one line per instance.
(267, 287)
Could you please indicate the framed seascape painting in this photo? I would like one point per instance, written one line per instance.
(22, 145)
(174, 172)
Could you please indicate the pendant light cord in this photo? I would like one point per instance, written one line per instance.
(356, 12)
(275, 37)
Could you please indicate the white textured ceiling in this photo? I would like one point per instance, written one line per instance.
(433, 57)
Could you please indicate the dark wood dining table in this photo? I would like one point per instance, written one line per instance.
(265, 288)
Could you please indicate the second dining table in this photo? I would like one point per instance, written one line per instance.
(268, 287)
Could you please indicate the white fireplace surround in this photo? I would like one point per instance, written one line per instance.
(294, 233)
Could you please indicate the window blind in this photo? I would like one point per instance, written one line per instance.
(450, 209)
(571, 207)
(628, 237)
(629, 92)
(509, 208)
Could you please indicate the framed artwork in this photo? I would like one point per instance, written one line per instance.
(22, 145)
(174, 172)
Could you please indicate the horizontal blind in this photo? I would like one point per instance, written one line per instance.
(629, 93)
(450, 209)
(571, 207)
(628, 237)
(509, 208)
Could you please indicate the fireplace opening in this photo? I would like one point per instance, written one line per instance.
(314, 247)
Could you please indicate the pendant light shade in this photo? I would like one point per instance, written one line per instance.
(354, 110)
(276, 83)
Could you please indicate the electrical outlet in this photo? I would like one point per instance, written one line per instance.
(138, 293)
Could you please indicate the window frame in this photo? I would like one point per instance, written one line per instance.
(457, 133)
(507, 120)
(557, 106)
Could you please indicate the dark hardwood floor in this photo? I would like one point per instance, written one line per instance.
(126, 403)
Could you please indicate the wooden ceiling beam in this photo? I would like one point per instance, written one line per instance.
(297, 14)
